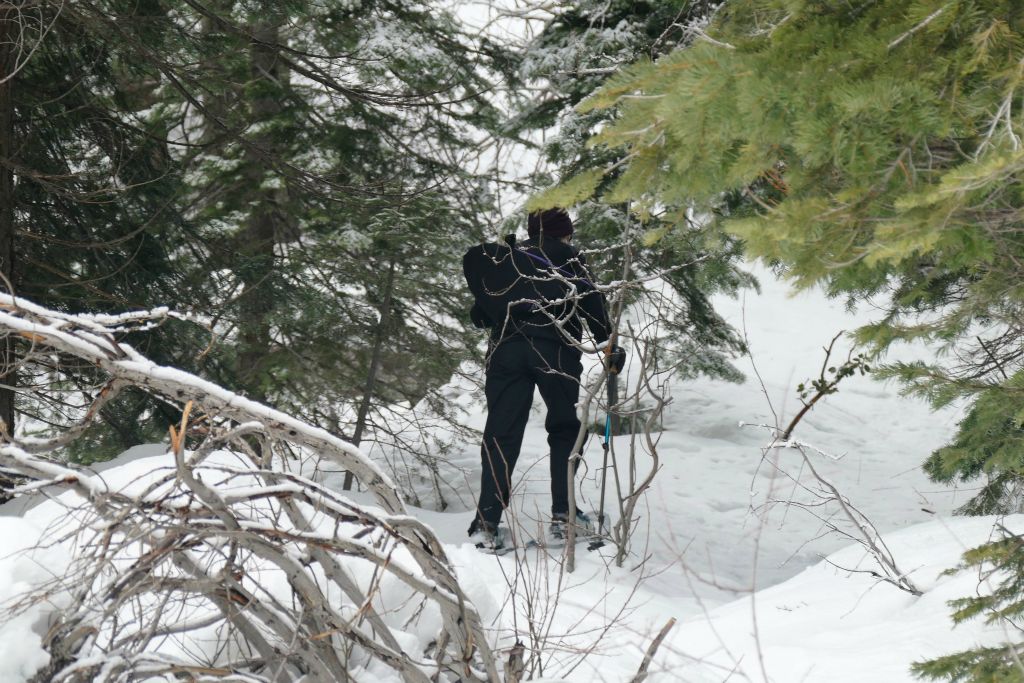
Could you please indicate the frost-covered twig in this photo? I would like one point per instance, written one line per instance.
(864, 532)
(222, 546)
(826, 493)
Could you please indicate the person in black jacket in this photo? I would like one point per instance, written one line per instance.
(536, 302)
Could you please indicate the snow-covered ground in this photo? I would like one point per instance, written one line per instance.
(708, 540)
(747, 583)
(713, 475)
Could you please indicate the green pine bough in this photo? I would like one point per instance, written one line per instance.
(874, 149)
(574, 56)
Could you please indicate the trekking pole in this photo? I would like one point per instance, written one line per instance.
(613, 378)
(613, 398)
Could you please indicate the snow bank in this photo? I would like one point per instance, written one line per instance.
(824, 625)
(49, 543)
(829, 624)
(23, 568)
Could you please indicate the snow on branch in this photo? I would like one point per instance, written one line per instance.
(216, 564)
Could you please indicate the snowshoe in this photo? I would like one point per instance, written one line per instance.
(558, 530)
(490, 538)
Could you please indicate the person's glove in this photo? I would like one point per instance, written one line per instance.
(615, 361)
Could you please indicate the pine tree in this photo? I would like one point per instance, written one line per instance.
(329, 199)
(88, 218)
(851, 174)
(575, 55)
(265, 163)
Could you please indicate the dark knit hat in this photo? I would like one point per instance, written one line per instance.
(552, 222)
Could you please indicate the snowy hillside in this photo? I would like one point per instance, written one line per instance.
(746, 583)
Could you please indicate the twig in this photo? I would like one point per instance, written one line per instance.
(927, 20)
(649, 656)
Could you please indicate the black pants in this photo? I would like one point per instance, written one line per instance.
(514, 368)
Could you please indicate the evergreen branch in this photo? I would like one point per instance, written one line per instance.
(917, 27)
(22, 60)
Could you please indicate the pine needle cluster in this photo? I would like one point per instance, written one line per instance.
(875, 149)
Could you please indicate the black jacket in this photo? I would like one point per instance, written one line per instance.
(519, 288)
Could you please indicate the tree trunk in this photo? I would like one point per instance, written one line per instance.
(371, 375)
(217, 101)
(257, 239)
(8, 52)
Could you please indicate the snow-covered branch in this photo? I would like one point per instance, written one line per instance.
(218, 564)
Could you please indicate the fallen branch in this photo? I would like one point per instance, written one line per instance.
(187, 550)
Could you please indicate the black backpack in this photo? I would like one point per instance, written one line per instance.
(515, 290)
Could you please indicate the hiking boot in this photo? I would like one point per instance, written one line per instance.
(558, 530)
(486, 536)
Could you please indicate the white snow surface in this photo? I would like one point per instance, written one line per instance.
(710, 542)
(752, 594)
